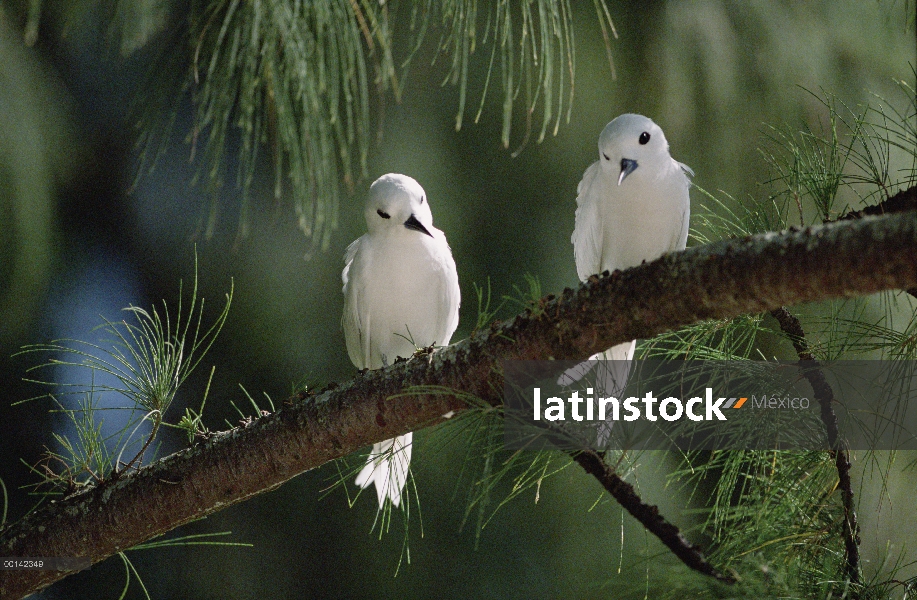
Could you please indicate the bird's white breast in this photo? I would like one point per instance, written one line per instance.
(401, 292)
(643, 218)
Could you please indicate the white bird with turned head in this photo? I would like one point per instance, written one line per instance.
(401, 292)
(632, 206)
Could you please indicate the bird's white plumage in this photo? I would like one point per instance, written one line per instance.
(401, 292)
(632, 206)
(618, 226)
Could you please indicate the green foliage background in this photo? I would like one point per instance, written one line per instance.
(712, 74)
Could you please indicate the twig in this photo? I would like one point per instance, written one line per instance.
(593, 462)
(647, 514)
(139, 456)
(790, 325)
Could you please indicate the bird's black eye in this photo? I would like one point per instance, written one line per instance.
(606, 156)
(384, 215)
(422, 198)
(644, 138)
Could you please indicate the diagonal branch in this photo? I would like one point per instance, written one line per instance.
(648, 515)
(720, 280)
(790, 325)
(593, 462)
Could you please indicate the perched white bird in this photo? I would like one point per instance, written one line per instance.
(632, 206)
(401, 292)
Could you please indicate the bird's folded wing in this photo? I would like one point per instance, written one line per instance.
(587, 234)
(355, 319)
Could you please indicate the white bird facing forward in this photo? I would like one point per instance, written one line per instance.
(401, 292)
(632, 206)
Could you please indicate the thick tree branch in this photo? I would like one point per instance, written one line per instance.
(790, 325)
(904, 200)
(721, 280)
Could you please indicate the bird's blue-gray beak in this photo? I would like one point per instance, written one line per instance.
(413, 223)
(628, 166)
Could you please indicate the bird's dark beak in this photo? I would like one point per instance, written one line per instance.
(413, 223)
(628, 166)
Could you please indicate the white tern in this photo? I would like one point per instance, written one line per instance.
(401, 292)
(632, 206)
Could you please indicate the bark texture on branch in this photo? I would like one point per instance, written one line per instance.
(720, 280)
(904, 200)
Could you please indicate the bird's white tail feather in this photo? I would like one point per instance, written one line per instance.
(614, 378)
(387, 466)
(607, 373)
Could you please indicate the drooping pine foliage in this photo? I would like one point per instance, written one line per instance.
(300, 84)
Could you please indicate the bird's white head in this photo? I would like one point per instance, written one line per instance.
(632, 146)
(397, 203)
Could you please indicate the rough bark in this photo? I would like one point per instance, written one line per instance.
(904, 200)
(720, 280)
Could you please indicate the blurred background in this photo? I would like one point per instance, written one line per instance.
(81, 237)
